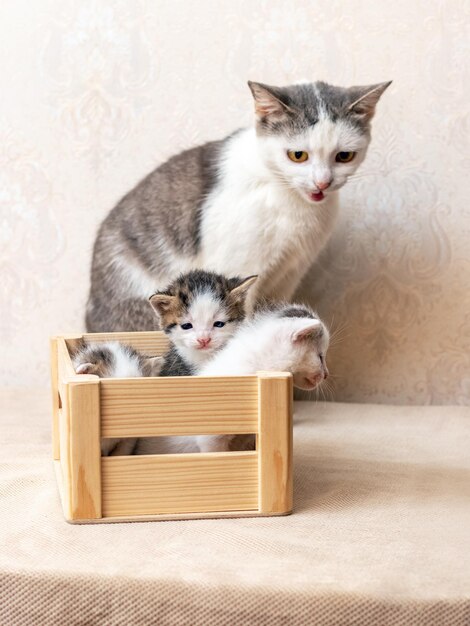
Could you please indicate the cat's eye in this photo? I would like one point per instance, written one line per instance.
(298, 156)
(219, 324)
(186, 326)
(345, 157)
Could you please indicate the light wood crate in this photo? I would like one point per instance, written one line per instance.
(168, 486)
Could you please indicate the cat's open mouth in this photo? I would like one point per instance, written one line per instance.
(316, 196)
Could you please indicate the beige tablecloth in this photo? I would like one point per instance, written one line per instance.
(380, 533)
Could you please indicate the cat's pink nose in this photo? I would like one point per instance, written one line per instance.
(314, 379)
(322, 185)
(203, 342)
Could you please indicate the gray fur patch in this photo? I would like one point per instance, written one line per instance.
(175, 365)
(162, 213)
(305, 102)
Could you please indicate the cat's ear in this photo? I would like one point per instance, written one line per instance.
(240, 290)
(310, 329)
(269, 101)
(162, 302)
(364, 99)
(75, 345)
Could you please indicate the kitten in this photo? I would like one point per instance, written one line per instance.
(199, 312)
(287, 338)
(263, 200)
(113, 360)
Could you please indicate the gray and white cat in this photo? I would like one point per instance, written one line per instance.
(263, 200)
(199, 312)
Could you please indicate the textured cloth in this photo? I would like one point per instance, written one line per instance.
(380, 533)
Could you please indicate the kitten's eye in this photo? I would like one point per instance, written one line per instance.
(345, 157)
(298, 156)
(219, 324)
(186, 326)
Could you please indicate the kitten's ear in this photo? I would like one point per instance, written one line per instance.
(162, 302)
(86, 368)
(241, 289)
(75, 345)
(310, 329)
(269, 101)
(364, 99)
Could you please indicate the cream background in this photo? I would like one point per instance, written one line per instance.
(94, 94)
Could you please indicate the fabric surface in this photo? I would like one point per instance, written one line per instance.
(380, 533)
(118, 87)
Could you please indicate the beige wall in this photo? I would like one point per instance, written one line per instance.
(94, 94)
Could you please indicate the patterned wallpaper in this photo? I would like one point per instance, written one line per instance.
(95, 93)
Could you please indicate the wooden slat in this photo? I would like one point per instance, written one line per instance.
(55, 399)
(122, 519)
(179, 483)
(66, 370)
(275, 442)
(152, 343)
(149, 407)
(64, 442)
(85, 452)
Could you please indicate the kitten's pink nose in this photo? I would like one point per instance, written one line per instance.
(203, 342)
(323, 184)
(314, 379)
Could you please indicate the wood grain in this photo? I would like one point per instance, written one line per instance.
(179, 483)
(152, 343)
(149, 407)
(85, 452)
(65, 461)
(66, 369)
(275, 442)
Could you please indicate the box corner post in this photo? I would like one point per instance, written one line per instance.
(275, 443)
(85, 450)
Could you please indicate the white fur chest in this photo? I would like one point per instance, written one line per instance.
(252, 224)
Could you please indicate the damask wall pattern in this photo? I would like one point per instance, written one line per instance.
(96, 93)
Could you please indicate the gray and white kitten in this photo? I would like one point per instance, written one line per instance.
(199, 312)
(263, 200)
(113, 360)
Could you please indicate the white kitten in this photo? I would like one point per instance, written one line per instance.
(289, 339)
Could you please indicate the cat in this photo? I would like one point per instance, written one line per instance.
(285, 338)
(199, 311)
(113, 360)
(263, 200)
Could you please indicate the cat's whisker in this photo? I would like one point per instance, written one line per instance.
(339, 333)
(330, 393)
(339, 338)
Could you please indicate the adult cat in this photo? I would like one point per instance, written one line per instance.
(261, 201)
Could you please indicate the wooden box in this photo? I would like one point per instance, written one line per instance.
(168, 486)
